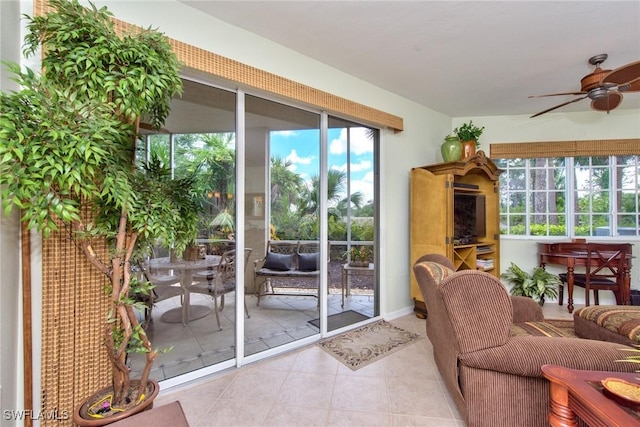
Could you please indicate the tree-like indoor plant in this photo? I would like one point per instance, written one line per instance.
(537, 285)
(469, 135)
(67, 161)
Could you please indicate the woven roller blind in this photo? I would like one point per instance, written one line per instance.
(596, 147)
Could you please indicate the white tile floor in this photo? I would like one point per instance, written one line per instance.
(308, 387)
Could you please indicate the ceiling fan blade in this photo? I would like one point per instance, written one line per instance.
(623, 75)
(558, 106)
(607, 103)
(558, 94)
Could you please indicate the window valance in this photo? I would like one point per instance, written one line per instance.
(598, 147)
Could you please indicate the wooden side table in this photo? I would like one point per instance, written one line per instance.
(575, 393)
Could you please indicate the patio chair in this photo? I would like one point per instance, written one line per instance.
(166, 284)
(219, 280)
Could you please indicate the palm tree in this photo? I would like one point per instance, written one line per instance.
(285, 185)
(336, 180)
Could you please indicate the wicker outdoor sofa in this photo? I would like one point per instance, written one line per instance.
(491, 368)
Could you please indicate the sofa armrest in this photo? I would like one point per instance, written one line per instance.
(525, 356)
(525, 309)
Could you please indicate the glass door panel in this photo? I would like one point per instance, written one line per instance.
(352, 189)
(282, 146)
(193, 317)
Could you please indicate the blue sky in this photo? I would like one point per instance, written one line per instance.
(301, 148)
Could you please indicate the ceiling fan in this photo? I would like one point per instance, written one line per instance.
(603, 87)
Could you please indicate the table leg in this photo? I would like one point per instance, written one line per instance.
(344, 274)
(560, 415)
(626, 286)
(570, 277)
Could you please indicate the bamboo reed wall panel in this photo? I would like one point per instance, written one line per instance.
(74, 308)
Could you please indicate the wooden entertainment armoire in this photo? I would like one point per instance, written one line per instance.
(434, 189)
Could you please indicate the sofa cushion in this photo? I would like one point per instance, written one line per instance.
(309, 261)
(548, 328)
(437, 271)
(623, 320)
(278, 262)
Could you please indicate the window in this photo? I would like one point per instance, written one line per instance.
(570, 196)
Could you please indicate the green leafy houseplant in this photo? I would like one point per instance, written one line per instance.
(359, 255)
(537, 285)
(67, 146)
(469, 131)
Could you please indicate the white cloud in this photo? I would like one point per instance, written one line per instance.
(294, 158)
(364, 165)
(364, 186)
(286, 133)
(360, 142)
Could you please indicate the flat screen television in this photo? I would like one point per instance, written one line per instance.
(469, 217)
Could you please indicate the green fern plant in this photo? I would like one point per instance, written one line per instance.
(537, 285)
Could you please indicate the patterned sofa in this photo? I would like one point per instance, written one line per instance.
(615, 323)
(493, 374)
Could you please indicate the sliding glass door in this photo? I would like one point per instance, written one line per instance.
(308, 193)
(282, 190)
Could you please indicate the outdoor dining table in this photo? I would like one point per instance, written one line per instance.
(187, 312)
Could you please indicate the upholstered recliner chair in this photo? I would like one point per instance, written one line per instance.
(493, 375)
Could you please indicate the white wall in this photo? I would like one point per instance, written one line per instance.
(10, 279)
(618, 124)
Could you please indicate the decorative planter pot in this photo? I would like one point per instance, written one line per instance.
(359, 263)
(468, 149)
(451, 149)
(191, 253)
(82, 417)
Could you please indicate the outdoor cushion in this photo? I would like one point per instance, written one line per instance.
(278, 262)
(309, 261)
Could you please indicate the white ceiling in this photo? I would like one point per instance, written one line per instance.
(474, 58)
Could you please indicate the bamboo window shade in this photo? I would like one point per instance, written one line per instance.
(593, 148)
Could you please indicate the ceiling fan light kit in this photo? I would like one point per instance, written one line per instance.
(603, 87)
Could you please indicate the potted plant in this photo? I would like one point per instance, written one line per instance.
(359, 256)
(537, 285)
(67, 148)
(469, 135)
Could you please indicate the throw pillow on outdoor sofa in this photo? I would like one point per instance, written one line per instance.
(309, 261)
(278, 262)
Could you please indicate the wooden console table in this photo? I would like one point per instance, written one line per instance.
(577, 394)
(574, 254)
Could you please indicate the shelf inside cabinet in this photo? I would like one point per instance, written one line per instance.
(464, 257)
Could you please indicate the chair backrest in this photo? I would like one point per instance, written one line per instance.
(607, 261)
(227, 266)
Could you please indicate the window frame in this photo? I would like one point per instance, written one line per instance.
(571, 191)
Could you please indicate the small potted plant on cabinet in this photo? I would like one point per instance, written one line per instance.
(469, 135)
(536, 285)
(67, 151)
